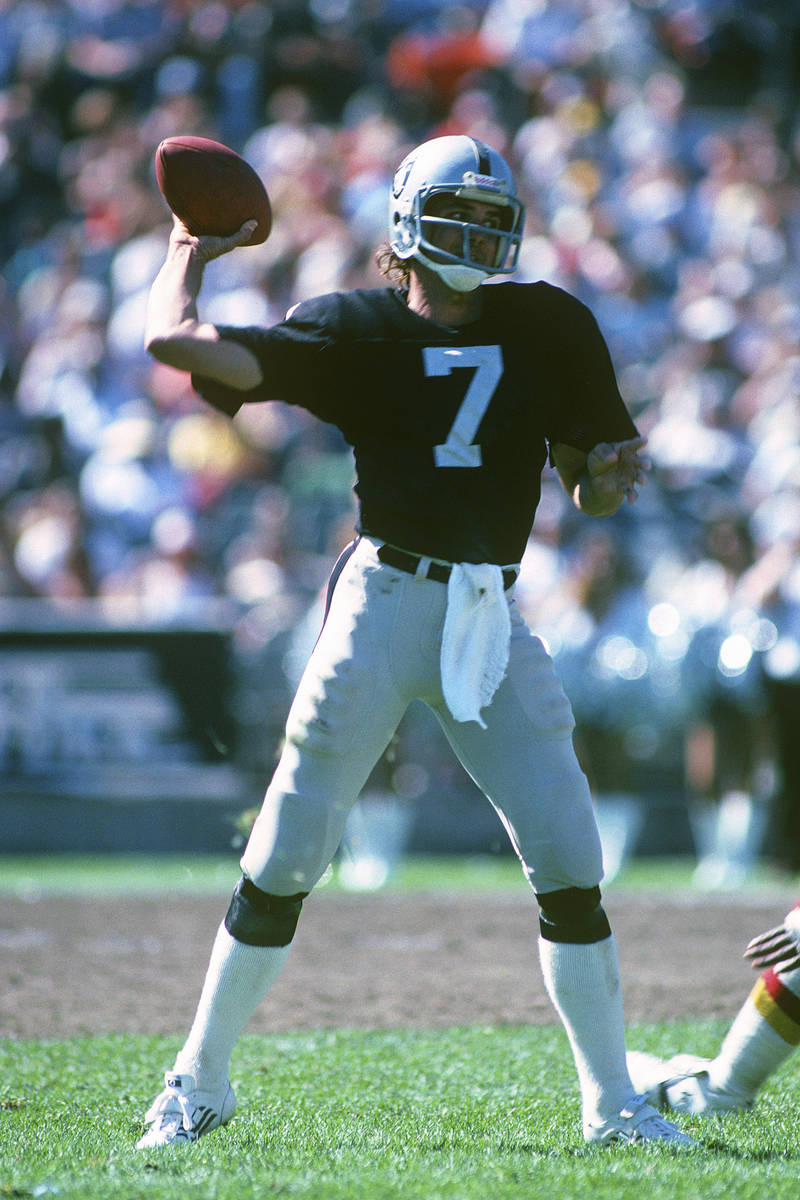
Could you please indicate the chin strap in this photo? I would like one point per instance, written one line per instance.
(457, 277)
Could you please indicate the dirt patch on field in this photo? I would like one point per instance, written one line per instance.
(77, 965)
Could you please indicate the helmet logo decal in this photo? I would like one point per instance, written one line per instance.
(401, 176)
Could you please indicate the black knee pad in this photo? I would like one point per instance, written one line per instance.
(573, 915)
(259, 919)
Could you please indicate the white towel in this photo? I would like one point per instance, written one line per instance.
(475, 640)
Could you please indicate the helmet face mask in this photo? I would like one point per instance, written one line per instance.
(498, 234)
(462, 252)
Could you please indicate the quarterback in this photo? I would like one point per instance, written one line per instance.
(453, 396)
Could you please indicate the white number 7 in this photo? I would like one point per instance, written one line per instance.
(459, 450)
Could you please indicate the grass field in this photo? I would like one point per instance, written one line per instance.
(473, 1113)
(468, 1114)
(142, 874)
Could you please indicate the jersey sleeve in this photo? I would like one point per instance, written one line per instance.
(589, 409)
(294, 365)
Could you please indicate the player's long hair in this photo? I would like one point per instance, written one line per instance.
(397, 270)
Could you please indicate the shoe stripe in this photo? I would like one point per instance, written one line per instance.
(207, 1117)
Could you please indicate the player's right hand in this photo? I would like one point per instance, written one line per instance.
(206, 246)
(776, 947)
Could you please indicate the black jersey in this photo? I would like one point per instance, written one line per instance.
(449, 425)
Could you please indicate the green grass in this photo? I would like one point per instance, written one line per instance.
(473, 1113)
(464, 1114)
(143, 874)
(113, 874)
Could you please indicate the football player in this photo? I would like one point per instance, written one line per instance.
(764, 1033)
(453, 396)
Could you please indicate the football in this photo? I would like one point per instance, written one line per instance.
(212, 188)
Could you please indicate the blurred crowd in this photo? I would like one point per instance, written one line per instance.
(657, 148)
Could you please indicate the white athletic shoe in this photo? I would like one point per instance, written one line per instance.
(682, 1084)
(637, 1123)
(182, 1113)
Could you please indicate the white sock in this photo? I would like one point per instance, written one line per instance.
(583, 983)
(237, 980)
(764, 1033)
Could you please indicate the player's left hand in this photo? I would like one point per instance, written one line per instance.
(777, 947)
(618, 469)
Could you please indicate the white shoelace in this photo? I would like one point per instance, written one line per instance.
(164, 1106)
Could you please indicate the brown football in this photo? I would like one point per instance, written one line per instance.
(212, 188)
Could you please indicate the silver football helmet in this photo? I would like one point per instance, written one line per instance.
(461, 167)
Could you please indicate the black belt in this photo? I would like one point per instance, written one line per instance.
(436, 570)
